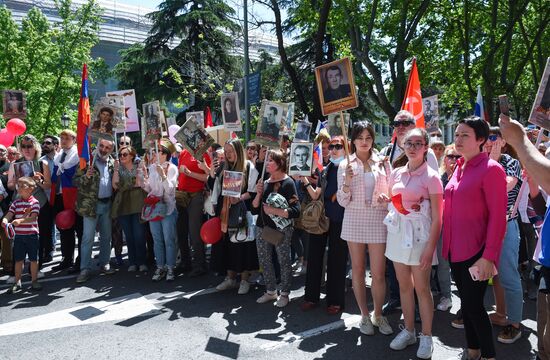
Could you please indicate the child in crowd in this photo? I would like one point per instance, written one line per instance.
(21, 220)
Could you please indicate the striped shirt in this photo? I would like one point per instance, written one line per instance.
(21, 208)
(512, 168)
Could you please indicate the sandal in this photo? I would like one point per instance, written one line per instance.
(334, 309)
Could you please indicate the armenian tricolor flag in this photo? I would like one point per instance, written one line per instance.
(83, 123)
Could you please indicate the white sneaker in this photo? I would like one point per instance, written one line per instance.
(444, 304)
(425, 348)
(244, 287)
(11, 280)
(159, 274)
(365, 326)
(227, 284)
(143, 268)
(39, 274)
(267, 297)
(170, 275)
(132, 268)
(403, 339)
(282, 301)
(382, 324)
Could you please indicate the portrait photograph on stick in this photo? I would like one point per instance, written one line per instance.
(196, 116)
(301, 159)
(540, 113)
(23, 168)
(14, 104)
(117, 101)
(194, 138)
(430, 106)
(232, 183)
(303, 129)
(336, 86)
(151, 121)
(230, 112)
(269, 127)
(334, 127)
(130, 108)
(287, 129)
(104, 122)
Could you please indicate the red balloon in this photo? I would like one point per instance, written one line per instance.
(6, 137)
(65, 219)
(211, 231)
(16, 126)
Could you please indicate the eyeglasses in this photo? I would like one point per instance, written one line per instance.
(46, 143)
(124, 143)
(402, 123)
(416, 146)
(335, 147)
(451, 156)
(23, 146)
(122, 155)
(250, 148)
(493, 137)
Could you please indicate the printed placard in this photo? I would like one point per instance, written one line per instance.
(232, 183)
(301, 159)
(336, 86)
(230, 112)
(14, 104)
(194, 138)
(130, 108)
(540, 113)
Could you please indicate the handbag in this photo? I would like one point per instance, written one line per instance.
(154, 209)
(272, 236)
(237, 216)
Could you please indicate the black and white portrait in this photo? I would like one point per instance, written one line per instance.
(289, 118)
(194, 138)
(196, 116)
(271, 120)
(23, 168)
(151, 124)
(336, 86)
(15, 104)
(334, 126)
(430, 106)
(230, 112)
(303, 129)
(301, 159)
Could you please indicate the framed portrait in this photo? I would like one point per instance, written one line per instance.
(103, 121)
(540, 113)
(231, 113)
(301, 159)
(336, 86)
(117, 101)
(151, 128)
(287, 129)
(269, 128)
(303, 129)
(232, 183)
(334, 126)
(23, 168)
(194, 138)
(196, 116)
(430, 106)
(163, 124)
(130, 108)
(14, 104)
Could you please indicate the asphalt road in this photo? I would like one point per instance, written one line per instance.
(126, 315)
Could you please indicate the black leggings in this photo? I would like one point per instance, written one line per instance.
(477, 326)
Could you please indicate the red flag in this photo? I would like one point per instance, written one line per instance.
(207, 118)
(413, 97)
(83, 121)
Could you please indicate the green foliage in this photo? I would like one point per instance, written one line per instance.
(45, 60)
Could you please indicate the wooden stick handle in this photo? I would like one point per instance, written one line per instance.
(345, 133)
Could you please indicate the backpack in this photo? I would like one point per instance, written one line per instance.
(312, 215)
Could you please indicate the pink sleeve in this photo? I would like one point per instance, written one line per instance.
(434, 183)
(343, 198)
(391, 181)
(35, 207)
(496, 198)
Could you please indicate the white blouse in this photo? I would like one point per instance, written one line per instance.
(166, 189)
(369, 185)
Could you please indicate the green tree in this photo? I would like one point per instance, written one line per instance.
(45, 60)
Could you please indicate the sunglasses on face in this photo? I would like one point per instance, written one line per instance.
(123, 155)
(250, 148)
(335, 147)
(416, 146)
(455, 157)
(124, 143)
(23, 146)
(493, 137)
(402, 123)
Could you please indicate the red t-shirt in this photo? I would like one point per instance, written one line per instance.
(187, 183)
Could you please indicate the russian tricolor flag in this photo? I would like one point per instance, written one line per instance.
(479, 108)
(318, 157)
(82, 143)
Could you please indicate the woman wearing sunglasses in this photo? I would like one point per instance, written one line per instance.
(127, 207)
(414, 226)
(360, 182)
(31, 150)
(337, 256)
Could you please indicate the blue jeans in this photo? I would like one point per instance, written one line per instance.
(164, 240)
(508, 273)
(103, 221)
(135, 238)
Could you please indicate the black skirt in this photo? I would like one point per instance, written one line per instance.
(239, 257)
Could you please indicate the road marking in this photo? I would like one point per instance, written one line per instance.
(121, 308)
(346, 321)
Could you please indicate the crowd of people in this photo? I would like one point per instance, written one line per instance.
(416, 213)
